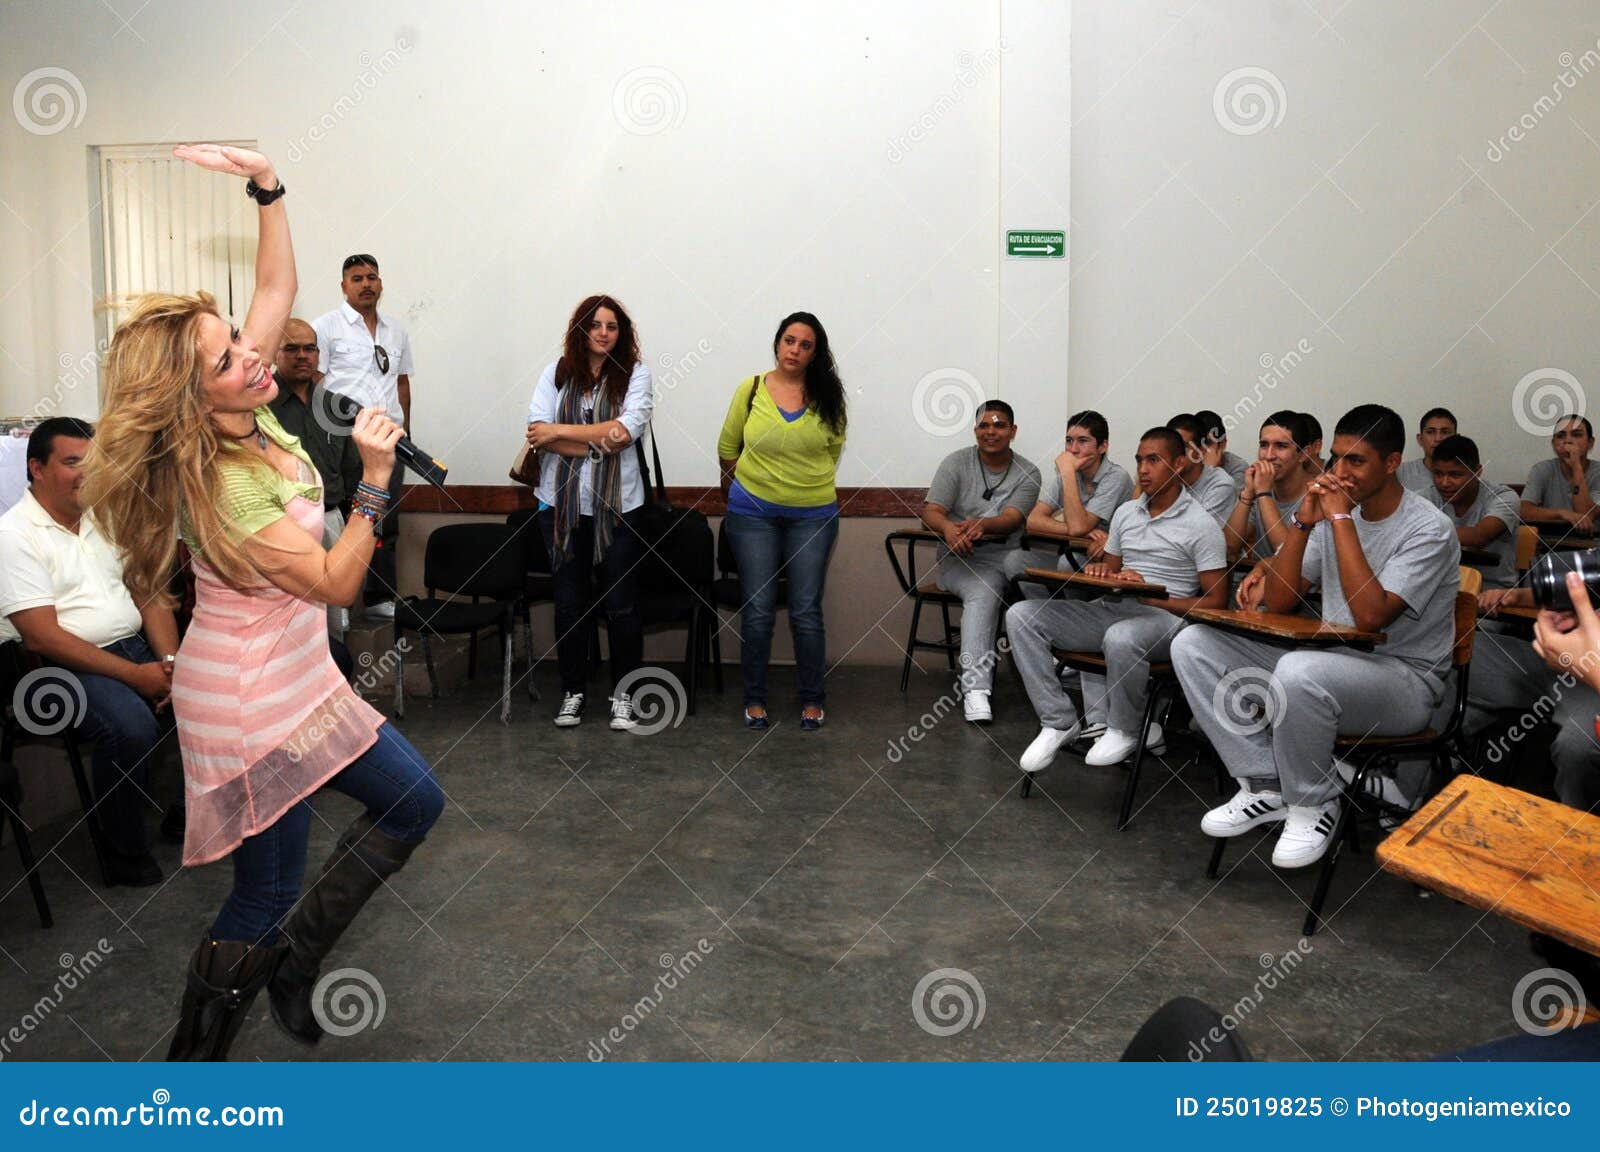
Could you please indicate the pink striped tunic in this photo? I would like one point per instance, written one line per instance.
(264, 718)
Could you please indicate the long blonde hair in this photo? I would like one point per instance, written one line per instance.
(156, 458)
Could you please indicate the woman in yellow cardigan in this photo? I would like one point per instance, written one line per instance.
(779, 449)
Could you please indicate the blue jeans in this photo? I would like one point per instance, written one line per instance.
(395, 783)
(764, 546)
(125, 732)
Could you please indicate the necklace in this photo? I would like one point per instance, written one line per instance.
(255, 430)
(988, 493)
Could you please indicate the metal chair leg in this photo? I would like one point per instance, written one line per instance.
(691, 655)
(11, 809)
(472, 654)
(507, 630)
(91, 821)
(433, 675)
(950, 633)
(911, 642)
(1132, 786)
(716, 652)
(1027, 785)
(1329, 861)
(1219, 845)
(399, 677)
(527, 643)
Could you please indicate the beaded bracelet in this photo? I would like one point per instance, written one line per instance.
(372, 490)
(373, 512)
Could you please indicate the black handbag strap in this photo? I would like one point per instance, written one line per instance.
(659, 493)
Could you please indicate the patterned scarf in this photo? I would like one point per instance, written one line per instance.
(607, 481)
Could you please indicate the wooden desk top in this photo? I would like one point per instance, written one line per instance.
(1281, 626)
(1532, 861)
(1098, 583)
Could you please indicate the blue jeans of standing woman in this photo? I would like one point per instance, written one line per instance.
(766, 547)
(395, 783)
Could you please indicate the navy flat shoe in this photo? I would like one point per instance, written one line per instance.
(811, 723)
(755, 723)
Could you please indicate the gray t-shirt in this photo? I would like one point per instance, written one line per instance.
(1501, 503)
(1415, 477)
(1414, 553)
(961, 481)
(1170, 549)
(1548, 486)
(1102, 496)
(1262, 548)
(1235, 467)
(1215, 492)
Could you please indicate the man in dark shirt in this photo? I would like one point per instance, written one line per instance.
(302, 407)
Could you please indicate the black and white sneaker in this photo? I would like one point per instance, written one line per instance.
(571, 714)
(1307, 834)
(622, 714)
(1245, 811)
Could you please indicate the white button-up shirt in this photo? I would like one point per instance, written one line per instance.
(79, 573)
(349, 365)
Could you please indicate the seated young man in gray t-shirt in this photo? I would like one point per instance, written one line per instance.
(1565, 489)
(1386, 561)
(1484, 515)
(1437, 424)
(1082, 508)
(977, 503)
(1164, 538)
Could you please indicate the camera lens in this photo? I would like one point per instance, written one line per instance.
(1547, 579)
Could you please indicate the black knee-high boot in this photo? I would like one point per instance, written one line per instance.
(224, 978)
(363, 859)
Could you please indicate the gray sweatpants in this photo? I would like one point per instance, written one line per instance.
(1509, 679)
(1309, 697)
(980, 580)
(1019, 560)
(1130, 635)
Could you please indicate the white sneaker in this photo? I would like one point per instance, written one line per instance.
(1245, 811)
(1378, 786)
(975, 707)
(1091, 731)
(1115, 746)
(1045, 746)
(571, 714)
(383, 611)
(1307, 834)
(622, 714)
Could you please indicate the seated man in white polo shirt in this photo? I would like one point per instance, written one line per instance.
(61, 593)
(1164, 537)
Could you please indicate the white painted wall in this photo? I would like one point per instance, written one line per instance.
(714, 165)
(1370, 221)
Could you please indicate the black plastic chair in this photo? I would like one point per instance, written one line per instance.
(676, 590)
(15, 663)
(922, 592)
(484, 561)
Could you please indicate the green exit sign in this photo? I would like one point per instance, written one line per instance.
(1037, 245)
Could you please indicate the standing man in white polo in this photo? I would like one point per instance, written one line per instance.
(367, 357)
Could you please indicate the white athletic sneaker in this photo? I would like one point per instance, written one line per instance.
(1245, 811)
(1307, 834)
(381, 611)
(571, 714)
(622, 714)
(975, 707)
(1044, 748)
(1091, 731)
(1378, 786)
(1115, 746)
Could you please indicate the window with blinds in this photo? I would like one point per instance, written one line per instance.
(168, 226)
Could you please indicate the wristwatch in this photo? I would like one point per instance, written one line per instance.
(260, 195)
(595, 453)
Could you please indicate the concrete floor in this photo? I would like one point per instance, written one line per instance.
(825, 881)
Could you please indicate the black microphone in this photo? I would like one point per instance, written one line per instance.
(414, 458)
